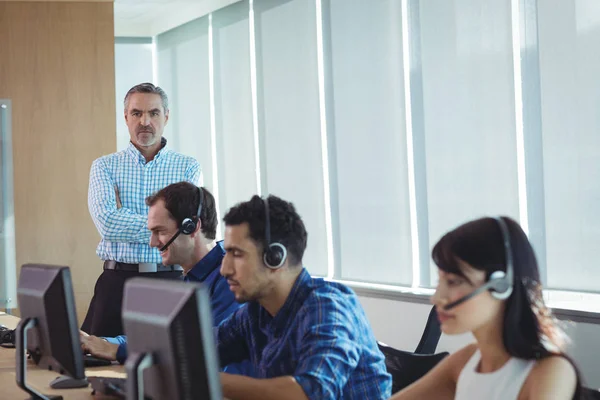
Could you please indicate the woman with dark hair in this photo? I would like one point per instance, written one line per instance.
(489, 285)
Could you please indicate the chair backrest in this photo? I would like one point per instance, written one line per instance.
(431, 334)
(591, 394)
(406, 367)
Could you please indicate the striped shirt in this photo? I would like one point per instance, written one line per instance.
(124, 231)
(321, 337)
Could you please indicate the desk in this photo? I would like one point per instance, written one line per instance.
(39, 378)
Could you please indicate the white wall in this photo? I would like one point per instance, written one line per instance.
(400, 324)
(133, 65)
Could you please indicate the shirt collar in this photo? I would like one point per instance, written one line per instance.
(207, 264)
(300, 291)
(137, 155)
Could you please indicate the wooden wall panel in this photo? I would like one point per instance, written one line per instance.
(57, 67)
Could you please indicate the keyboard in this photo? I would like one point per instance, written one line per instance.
(91, 361)
(7, 337)
(108, 386)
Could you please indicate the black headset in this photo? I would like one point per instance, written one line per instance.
(275, 254)
(188, 225)
(500, 283)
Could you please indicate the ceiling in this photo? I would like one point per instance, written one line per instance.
(151, 17)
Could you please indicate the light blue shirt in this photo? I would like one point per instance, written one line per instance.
(124, 231)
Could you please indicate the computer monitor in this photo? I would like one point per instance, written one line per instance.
(48, 327)
(170, 342)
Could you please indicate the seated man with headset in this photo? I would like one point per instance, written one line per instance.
(306, 338)
(183, 222)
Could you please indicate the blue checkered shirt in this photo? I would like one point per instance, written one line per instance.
(321, 337)
(222, 300)
(124, 231)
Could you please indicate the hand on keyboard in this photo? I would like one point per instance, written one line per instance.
(98, 347)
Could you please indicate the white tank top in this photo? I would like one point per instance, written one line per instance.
(502, 384)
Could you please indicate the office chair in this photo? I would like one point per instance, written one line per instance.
(590, 394)
(406, 367)
(431, 334)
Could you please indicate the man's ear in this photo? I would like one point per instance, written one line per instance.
(166, 117)
(198, 230)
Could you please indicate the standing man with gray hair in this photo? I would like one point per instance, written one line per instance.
(119, 185)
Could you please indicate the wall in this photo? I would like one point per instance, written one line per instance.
(400, 324)
(133, 65)
(57, 67)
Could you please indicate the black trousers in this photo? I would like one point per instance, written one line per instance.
(104, 313)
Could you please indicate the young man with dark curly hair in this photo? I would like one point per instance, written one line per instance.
(305, 337)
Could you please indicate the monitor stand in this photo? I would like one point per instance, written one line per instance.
(66, 382)
(21, 346)
(134, 367)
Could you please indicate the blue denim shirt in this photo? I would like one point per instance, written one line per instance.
(321, 337)
(207, 270)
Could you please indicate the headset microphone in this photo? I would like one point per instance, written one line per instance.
(487, 286)
(166, 246)
(500, 283)
(188, 225)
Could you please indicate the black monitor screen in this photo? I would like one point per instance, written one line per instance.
(172, 321)
(45, 293)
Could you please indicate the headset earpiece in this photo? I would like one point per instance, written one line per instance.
(501, 283)
(275, 254)
(499, 286)
(189, 225)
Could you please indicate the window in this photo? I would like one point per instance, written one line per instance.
(469, 123)
(184, 73)
(235, 129)
(368, 135)
(133, 65)
(8, 261)
(570, 114)
(390, 122)
(288, 115)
